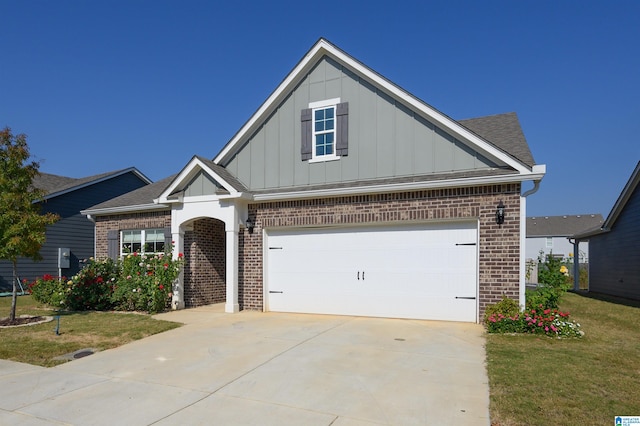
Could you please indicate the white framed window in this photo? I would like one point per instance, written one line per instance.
(324, 132)
(324, 127)
(142, 241)
(549, 242)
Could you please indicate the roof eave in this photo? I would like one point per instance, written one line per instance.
(588, 234)
(398, 187)
(125, 209)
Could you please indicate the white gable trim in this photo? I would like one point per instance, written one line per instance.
(188, 173)
(323, 47)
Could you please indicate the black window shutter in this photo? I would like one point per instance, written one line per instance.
(167, 240)
(342, 129)
(306, 145)
(113, 248)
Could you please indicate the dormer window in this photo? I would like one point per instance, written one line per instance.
(325, 130)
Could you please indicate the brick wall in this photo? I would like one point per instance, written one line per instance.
(205, 273)
(205, 257)
(250, 268)
(142, 220)
(499, 245)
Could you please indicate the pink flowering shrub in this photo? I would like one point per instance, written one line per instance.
(550, 322)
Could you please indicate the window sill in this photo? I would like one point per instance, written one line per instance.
(323, 159)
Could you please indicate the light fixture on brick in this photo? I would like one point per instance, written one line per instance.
(500, 213)
(250, 225)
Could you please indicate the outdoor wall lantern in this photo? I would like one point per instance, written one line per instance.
(250, 225)
(500, 213)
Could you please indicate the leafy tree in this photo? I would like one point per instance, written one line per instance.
(22, 227)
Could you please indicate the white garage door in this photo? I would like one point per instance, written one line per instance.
(426, 271)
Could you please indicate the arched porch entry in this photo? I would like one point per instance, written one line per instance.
(206, 234)
(207, 213)
(204, 262)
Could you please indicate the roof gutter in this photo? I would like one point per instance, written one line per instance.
(539, 169)
(123, 209)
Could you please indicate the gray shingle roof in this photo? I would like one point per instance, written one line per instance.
(139, 197)
(55, 184)
(562, 226)
(503, 131)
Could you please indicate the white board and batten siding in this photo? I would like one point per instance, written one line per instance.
(419, 271)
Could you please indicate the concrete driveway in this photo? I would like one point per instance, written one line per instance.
(255, 368)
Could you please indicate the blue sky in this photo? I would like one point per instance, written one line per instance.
(104, 85)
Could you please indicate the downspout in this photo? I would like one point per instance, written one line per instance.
(576, 263)
(523, 237)
(95, 243)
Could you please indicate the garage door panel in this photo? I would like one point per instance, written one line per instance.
(403, 272)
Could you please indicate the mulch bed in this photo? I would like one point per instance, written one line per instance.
(4, 322)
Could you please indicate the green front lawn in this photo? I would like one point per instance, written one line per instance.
(39, 344)
(538, 380)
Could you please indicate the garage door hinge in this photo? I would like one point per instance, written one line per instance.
(465, 297)
(465, 244)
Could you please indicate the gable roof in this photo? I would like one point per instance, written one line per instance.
(229, 184)
(618, 207)
(499, 138)
(55, 185)
(475, 132)
(561, 226)
(224, 174)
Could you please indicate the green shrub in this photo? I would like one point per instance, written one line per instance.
(145, 282)
(136, 283)
(554, 281)
(127, 295)
(91, 288)
(506, 307)
(49, 290)
(543, 297)
(553, 272)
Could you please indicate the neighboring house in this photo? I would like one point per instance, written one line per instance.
(65, 197)
(550, 234)
(614, 264)
(342, 194)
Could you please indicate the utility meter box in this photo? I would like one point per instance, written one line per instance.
(64, 258)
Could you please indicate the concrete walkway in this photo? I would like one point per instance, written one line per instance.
(255, 368)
